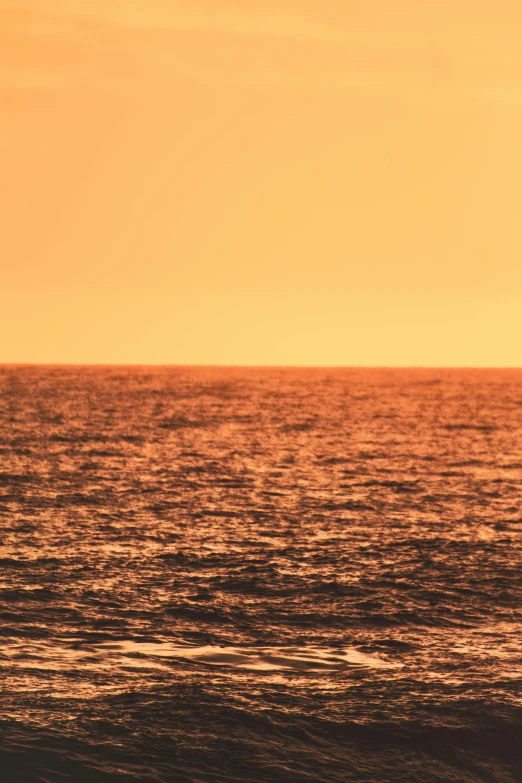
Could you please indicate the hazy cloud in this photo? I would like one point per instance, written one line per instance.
(164, 16)
(272, 45)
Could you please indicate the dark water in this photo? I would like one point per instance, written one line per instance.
(260, 575)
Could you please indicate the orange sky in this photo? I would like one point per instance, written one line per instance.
(261, 182)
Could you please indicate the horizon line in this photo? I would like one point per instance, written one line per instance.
(165, 365)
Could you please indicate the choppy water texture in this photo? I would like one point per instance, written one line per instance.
(260, 575)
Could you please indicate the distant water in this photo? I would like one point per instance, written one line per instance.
(244, 576)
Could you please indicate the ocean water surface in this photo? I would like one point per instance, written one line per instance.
(243, 575)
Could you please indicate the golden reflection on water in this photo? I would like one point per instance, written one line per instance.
(337, 546)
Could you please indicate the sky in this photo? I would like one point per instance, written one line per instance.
(261, 183)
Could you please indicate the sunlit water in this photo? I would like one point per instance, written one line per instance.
(260, 575)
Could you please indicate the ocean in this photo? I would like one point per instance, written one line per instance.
(254, 575)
